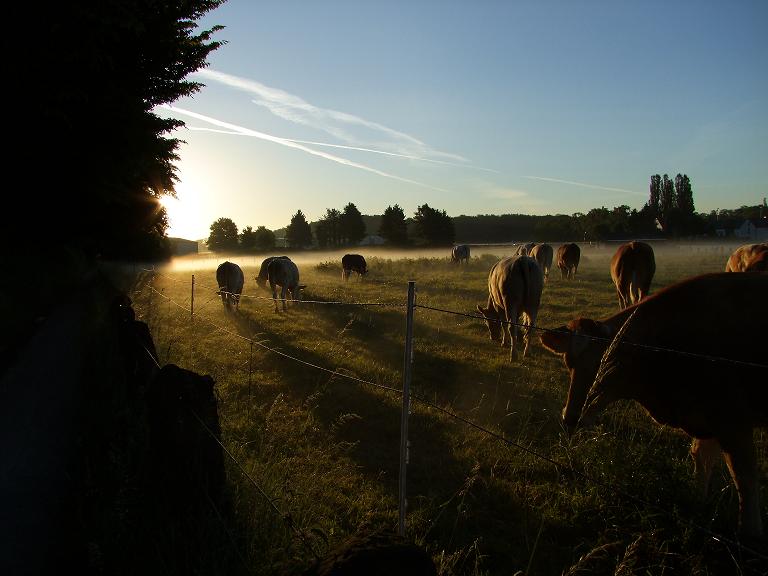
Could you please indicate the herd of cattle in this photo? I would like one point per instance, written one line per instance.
(693, 354)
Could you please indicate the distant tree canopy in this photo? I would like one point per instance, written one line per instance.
(393, 227)
(223, 237)
(299, 234)
(352, 225)
(248, 239)
(670, 203)
(85, 89)
(434, 227)
(264, 238)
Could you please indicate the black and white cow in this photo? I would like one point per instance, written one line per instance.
(353, 263)
(230, 279)
(460, 253)
(283, 272)
(261, 279)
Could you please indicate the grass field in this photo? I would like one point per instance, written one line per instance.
(325, 448)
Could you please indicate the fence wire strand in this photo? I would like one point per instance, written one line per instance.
(561, 466)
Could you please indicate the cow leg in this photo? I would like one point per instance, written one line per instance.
(704, 451)
(274, 298)
(510, 326)
(739, 455)
(282, 297)
(528, 329)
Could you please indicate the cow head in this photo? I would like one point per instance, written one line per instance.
(296, 292)
(492, 321)
(581, 345)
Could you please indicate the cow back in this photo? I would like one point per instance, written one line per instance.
(262, 277)
(283, 272)
(747, 258)
(633, 263)
(518, 280)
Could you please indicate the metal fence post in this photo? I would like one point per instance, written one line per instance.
(404, 444)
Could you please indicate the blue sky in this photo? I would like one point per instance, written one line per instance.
(472, 107)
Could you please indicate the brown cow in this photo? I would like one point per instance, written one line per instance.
(542, 253)
(568, 256)
(514, 290)
(632, 269)
(669, 354)
(748, 258)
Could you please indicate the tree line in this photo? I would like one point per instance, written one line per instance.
(669, 212)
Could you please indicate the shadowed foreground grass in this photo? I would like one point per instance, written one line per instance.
(615, 499)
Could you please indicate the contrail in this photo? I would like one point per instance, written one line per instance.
(584, 185)
(385, 153)
(297, 110)
(291, 144)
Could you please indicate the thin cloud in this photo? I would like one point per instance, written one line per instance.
(338, 124)
(358, 148)
(291, 144)
(584, 185)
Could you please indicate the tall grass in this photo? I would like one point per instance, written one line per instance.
(620, 500)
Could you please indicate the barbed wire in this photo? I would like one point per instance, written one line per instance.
(600, 338)
(501, 437)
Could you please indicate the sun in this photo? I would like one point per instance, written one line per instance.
(185, 216)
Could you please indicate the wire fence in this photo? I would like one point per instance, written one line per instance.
(566, 467)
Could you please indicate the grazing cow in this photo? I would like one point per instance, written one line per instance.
(524, 249)
(514, 291)
(632, 269)
(284, 273)
(669, 353)
(542, 253)
(353, 263)
(747, 258)
(568, 256)
(230, 279)
(261, 279)
(460, 253)
(758, 262)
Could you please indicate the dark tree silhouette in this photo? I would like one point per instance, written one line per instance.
(393, 227)
(248, 239)
(351, 225)
(89, 143)
(223, 237)
(328, 229)
(299, 234)
(433, 226)
(264, 238)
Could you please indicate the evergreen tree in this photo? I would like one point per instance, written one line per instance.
(264, 238)
(435, 227)
(393, 227)
(223, 236)
(684, 194)
(299, 234)
(90, 78)
(351, 225)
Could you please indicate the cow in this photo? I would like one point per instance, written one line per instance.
(668, 353)
(758, 262)
(741, 260)
(353, 263)
(261, 279)
(229, 278)
(460, 253)
(283, 272)
(524, 249)
(514, 291)
(542, 253)
(568, 256)
(632, 269)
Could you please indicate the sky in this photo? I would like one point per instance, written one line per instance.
(472, 107)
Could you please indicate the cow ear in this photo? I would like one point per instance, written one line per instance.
(557, 340)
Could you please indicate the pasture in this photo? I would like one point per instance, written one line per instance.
(514, 494)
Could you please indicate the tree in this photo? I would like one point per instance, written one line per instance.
(108, 159)
(351, 225)
(248, 239)
(298, 234)
(223, 236)
(264, 238)
(393, 227)
(684, 194)
(328, 229)
(654, 200)
(666, 201)
(435, 227)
